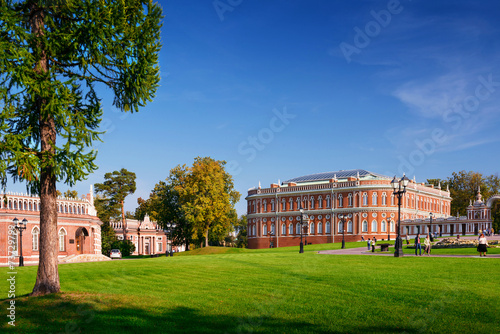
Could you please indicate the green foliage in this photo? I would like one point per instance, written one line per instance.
(108, 237)
(127, 247)
(241, 229)
(71, 194)
(113, 190)
(464, 186)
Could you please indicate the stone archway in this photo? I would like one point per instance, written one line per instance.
(492, 199)
(80, 235)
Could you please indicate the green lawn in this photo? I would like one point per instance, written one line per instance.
(265, 291)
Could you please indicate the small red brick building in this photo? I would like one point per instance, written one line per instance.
(78, 228)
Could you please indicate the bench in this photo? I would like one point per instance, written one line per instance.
(384, 247)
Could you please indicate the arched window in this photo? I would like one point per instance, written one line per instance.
(384, 199)
(374, 199)
(62, 240)
(328, 201)
(273, 230)
(320, 228)
(364, 226)
(311, 203)
(290, 204)
(282, 205)
(297, 228)
(253, 231)
(298, 203)
(283, 229)
(264, 229)
(311, 228)
(70, 209)
(290, 229)
(30, 206)
(272, 205)
(320, 202)
(25, 206)
(392, 199)
(384, 226)
(374, 226)
(35, 234)
(365, 199)
(349, 226)
(264, 206)
(341, 200)
(327, 227)
(341, 226)
(349, 199)
(392, 225)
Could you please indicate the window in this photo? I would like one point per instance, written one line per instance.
(374, 226)
(283, 229)
(311, 229)
(374, 199)
(349, 226)
(35, 234)
(341, 199)
(320, 228)
(392, 226)
(272, 205)
(264, 229)
(290, 204)
(290, 229)
(273, 230)
(364, 226)
(349, 199)
(341, 226)
(384, 226)
(297, 228)
(327, 201)
(312, 203)
(384, 199)
(159, 247)
(264, 206)
(282, 205)
(365, 199)
(328, 229)
(62, 240)
(320, 202)
(253, 230)
(392, 199)
(298, 204)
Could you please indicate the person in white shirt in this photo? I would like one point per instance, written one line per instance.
(482, 246)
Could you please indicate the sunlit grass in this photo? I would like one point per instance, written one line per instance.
(266, 291)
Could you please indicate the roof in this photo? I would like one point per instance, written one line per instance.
(341, 174)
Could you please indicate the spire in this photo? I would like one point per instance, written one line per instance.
(357, 175)
(439, 185)
(279, 182)
(478, 196)
(259, 184)
(414, 179)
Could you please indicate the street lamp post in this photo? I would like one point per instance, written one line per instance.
(301, 249)
(399, 187)
(168, 231)
(341, 217)
(430, 223)
(389, 229)
(21, 227)
(271, 233)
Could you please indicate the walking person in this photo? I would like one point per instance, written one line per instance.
(482, 246)
(373, 244)
(427, 244)
(418, 245)
(368, 243)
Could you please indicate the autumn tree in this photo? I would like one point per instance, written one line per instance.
(241, 232)
(71, 194)
(207, 197)
(117, 186)
(55, 56)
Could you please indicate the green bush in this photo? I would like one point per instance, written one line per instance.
(125, 246)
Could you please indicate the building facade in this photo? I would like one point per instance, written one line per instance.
(365, 199)
(147, 236)
(78, 228)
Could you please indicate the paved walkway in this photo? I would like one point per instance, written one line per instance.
(364, 251)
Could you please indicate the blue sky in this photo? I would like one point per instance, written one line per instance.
(281, 89)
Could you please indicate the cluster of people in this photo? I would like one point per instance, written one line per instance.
(371, 243)
(427, 245)
(488, 232)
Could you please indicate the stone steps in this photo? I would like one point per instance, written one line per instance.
(84, 258)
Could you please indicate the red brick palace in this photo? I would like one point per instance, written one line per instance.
(79, 229)
(274, 217)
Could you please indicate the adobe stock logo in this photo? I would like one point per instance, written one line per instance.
(250, 147)
(372, 29)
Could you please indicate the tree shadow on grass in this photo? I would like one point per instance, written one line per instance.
(87, 313)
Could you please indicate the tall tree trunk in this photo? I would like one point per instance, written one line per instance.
(206, 238)
(124, 222)
(47, 278)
